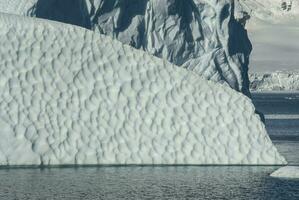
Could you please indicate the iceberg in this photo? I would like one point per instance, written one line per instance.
(200, 35)
(70, 96)
(290, 172)
(19, 7)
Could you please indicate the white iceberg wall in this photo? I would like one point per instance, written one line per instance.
(70, 96)
(200, 35)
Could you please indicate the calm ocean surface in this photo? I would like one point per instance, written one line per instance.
(283, 125)
(282, 121)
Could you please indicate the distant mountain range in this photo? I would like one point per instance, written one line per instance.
(266, 10)
(276, 81)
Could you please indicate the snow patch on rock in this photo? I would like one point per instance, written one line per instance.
(70, 96)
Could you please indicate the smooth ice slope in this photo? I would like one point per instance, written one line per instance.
(200, 35)
(70, 96)
(287, 172)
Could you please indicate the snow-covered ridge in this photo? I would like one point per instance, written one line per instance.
(70, 96)
(200, 35)
(276, 81)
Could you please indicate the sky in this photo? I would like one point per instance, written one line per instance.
(275, 36)
(275, 47)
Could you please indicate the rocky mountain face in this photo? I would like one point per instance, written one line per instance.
(200, 35)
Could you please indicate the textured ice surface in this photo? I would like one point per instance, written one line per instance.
(200, 35)
(71, 96)
(20, 7)
(276, 81)
(287, 172)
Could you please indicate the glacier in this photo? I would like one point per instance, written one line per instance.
(70, 96)
(275, 81)
(200, 35)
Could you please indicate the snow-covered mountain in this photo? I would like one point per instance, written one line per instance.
(276, 81)
(200, 35)
(267, 10)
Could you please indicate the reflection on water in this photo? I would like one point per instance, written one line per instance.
(146, 183)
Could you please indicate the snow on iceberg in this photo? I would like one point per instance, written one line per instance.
(20, 7)
(287, 172)
(200, 35)
(70, 96)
